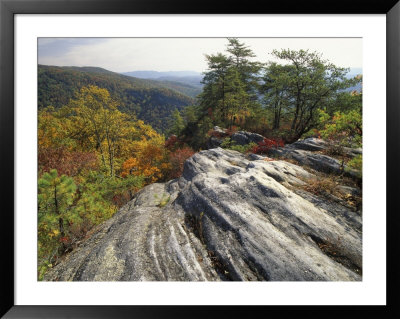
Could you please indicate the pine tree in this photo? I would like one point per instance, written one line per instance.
(177, 123)
(275, 90)
(55, 198)
(237, 99)
(248, 70)
(212, 99)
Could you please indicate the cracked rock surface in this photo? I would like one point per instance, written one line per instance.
(229, 217)
(303, 151)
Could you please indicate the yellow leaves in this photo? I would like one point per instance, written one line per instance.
(95, 98)
(92, 123)
(145, 131)
(166, 166)
(144, 165)
(149, 159)
(51, 130)
(147, 154)
(53, 233)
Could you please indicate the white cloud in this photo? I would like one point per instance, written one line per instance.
(166, 54)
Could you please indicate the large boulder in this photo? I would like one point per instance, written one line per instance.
(244, 138)
(214, 142)
(304, 152)
(229, 217)
(310, 144)
(216, 137)
(316, 144)
(319, 162)
(239, 138)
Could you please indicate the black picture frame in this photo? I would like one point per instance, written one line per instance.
(8, 8)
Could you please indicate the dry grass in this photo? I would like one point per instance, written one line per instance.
(327, 186)
(321, 186)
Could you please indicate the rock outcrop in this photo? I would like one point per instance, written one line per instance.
(243, 138)
(239, 138)
(229, 217)
(303, 151)
(216, 138)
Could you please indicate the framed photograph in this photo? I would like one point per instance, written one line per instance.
(174, 154)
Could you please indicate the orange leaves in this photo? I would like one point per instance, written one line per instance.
(156, 162)
(148, 162)
(129, 167)
(233, 129)
(152, 153)
(141, 166)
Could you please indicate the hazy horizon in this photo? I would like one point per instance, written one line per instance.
(182, 54)
(124, 72)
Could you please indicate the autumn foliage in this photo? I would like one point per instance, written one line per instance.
(172, 142)
(67, 162)
(177, 160)
(265, 145)
(92, 159)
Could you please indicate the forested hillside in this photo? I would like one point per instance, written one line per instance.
(192, 90)
(150, 101)
(186, 82)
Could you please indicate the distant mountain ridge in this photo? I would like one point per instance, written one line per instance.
(158, 74)
(189, 82)
(352, 73)
(186, 82)
(151, 101)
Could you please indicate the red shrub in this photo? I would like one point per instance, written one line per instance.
(65, 239)
(66, 162)
(177, 159)
(171, 141)
(121, 199)
(232, 130)
(265, 145)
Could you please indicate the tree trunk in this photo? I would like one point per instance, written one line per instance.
(61, 226)
(277, 115)
(295, 116)
(102, 153)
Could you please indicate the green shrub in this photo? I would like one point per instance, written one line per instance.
(356, 163)
(227, 143)
(67, 210)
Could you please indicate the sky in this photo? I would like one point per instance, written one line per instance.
(182, 54)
